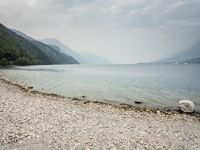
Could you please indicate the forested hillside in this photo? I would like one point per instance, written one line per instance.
(17, 50)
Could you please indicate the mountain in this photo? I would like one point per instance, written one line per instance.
(94, 59)
(22, 34)
(48, 49)
(64, 49)
(83, 58)
(17, 49)
(192, 61)
(191, 54)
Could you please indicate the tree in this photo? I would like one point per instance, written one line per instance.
(23, 61)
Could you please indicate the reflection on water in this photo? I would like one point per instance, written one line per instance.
(160, 85)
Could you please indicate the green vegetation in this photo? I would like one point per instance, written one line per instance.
(17, 50)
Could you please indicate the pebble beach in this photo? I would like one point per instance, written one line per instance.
(32, 120)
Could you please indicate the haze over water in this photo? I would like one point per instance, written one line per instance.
(155, 85)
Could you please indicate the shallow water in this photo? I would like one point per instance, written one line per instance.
(155, 85)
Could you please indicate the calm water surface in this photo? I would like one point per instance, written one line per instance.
(155, 85)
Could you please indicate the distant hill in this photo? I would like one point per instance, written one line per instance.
(83, 58)
(22, 34)
(192, 61)
(17, 48)
(64, 49)
(94, 59)
(190, 55)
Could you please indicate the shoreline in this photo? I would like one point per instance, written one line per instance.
(118, 105)
(35, 120)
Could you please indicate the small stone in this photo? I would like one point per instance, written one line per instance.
(138, 102)
(30, 87)
(158, 112)
(83, 96)
(75, 98)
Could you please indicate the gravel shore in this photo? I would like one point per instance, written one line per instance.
(31, 120)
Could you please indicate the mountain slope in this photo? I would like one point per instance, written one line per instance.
(64, 49)
(50, 50)
(83, 58)
(195, 60)
(22, 34)
(17, 50)
(188, 54)
(94, 59)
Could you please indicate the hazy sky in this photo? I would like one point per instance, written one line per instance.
(124, 31)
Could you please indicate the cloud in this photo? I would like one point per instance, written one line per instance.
(107, 27)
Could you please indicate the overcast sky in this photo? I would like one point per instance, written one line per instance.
(124, 31)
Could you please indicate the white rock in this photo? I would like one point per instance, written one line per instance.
(186, 105)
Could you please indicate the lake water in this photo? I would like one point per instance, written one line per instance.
(155, 85)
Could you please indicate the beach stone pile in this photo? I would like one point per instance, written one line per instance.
(35, 121)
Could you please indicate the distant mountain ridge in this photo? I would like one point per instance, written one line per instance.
(195, 60)
(64, 49)
(83, 58)
(94, 59)
(22, 34)
(190, 55)
(16, 48)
